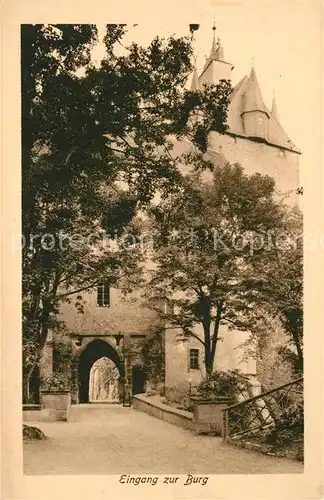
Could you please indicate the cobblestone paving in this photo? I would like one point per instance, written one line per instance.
(111, 439)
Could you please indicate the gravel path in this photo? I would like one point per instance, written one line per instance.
(111, 439)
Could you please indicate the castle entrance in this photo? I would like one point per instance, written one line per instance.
(97, 372)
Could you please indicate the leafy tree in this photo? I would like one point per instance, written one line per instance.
(279, 279)
(208, 239)
(96, 146)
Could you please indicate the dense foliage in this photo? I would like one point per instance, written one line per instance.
(281, 286)
(95, 149)
(228, 384)
(289, 429)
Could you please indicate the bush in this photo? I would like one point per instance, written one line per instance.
(32, 433)
(228, 384)
(289, 428)
(55, 382)
(290, 357)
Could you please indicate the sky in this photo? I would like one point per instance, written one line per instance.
(281, 39)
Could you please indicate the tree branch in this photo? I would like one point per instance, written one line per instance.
(216, 326)
(191, 334)
(76, 291)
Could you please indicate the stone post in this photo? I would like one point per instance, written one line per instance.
(208, 415)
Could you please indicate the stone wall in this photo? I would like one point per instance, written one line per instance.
(282, 165)
(126, 315)
(255, 157)
(154, 407)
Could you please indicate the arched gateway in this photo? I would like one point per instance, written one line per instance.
(82, 363)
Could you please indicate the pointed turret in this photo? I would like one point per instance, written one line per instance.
(217, 51)
(247, 116)
(255, 115)
(195, 86)
(215, 68)
(213, 52)
(253, 100)
(274, 111)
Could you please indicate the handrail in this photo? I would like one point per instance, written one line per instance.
(260, 396)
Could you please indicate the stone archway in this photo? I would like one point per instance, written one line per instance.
(83, 362)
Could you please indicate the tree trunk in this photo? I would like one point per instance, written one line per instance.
(211, 343)
(26, 380)
(209, 362)
(298, 348)
(26, 389)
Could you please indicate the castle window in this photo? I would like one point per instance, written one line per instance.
(103, 295)
(194, 359)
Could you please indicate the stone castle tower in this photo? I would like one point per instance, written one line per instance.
(113, 326)
(255, 137)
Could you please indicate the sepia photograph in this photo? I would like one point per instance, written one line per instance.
(164, 179)
(162, 263)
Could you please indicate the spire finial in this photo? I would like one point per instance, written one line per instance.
(214, 32)
(214, 45)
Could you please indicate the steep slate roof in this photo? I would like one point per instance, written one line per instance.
(252, 99)
(246, 97)
(278, 136)
(234, 118)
